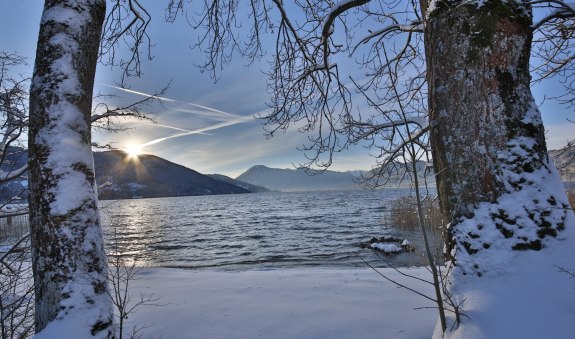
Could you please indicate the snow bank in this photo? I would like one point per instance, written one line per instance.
(528, 297)
(295, 303)
(509, 254)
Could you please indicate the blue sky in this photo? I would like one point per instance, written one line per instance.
(202, 125)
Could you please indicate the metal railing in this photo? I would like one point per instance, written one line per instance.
(13, 226)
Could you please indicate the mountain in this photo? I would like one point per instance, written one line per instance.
(245, 185)
(147, 176)
(356, 173)
(399, 174)
(564, 159)
(297, 179)
(14, 159)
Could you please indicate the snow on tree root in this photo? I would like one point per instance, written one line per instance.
(533, 210)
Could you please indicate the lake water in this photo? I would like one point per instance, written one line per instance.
(256, 231)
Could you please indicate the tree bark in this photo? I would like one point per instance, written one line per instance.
(69, 262)
(487, 136)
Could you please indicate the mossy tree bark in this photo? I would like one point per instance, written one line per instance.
(487, 136)
(69, 262)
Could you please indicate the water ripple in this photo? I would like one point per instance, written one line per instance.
(253, 230)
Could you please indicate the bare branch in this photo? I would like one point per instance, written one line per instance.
(562, 10)
(127, 22)
(13, 117)
(220, 31)
(335, 12)
(395, 282)
(554, 47)
(571, 272)
(108, 118)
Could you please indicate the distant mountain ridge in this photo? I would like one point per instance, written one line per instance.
(564, 159)
(277, 179)
(14, 159)
(242, 184)
(157, 177)
(149, 176)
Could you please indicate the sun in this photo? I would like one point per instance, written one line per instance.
(133, 150)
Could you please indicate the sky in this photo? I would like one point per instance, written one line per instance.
(203, 125)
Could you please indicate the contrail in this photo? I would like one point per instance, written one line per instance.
(141, 93)
(197, 131)
(167, 126)
(206, 113)
(230, 119)
(212, 109)
(184, 102)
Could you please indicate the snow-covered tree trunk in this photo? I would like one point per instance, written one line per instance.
(69, 262)
(493, 173)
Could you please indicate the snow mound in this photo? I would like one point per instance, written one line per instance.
(387, 247)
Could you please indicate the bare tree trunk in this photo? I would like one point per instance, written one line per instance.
(69, 262)
(487, 136)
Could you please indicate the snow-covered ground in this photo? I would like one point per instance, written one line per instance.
(519, 294)
(292, 303)
(528, 297)
(527, 292)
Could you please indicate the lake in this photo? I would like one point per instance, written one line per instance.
(256, 231)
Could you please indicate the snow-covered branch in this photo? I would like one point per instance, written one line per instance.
(129, 111)
(6, 176)
(421, 122)
(415, 27)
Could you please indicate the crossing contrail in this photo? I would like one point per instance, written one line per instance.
(141, 93)
(168, 127)
(210, 109)
(229, 119)
(197, 131)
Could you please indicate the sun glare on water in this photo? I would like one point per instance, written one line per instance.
(133, 150)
